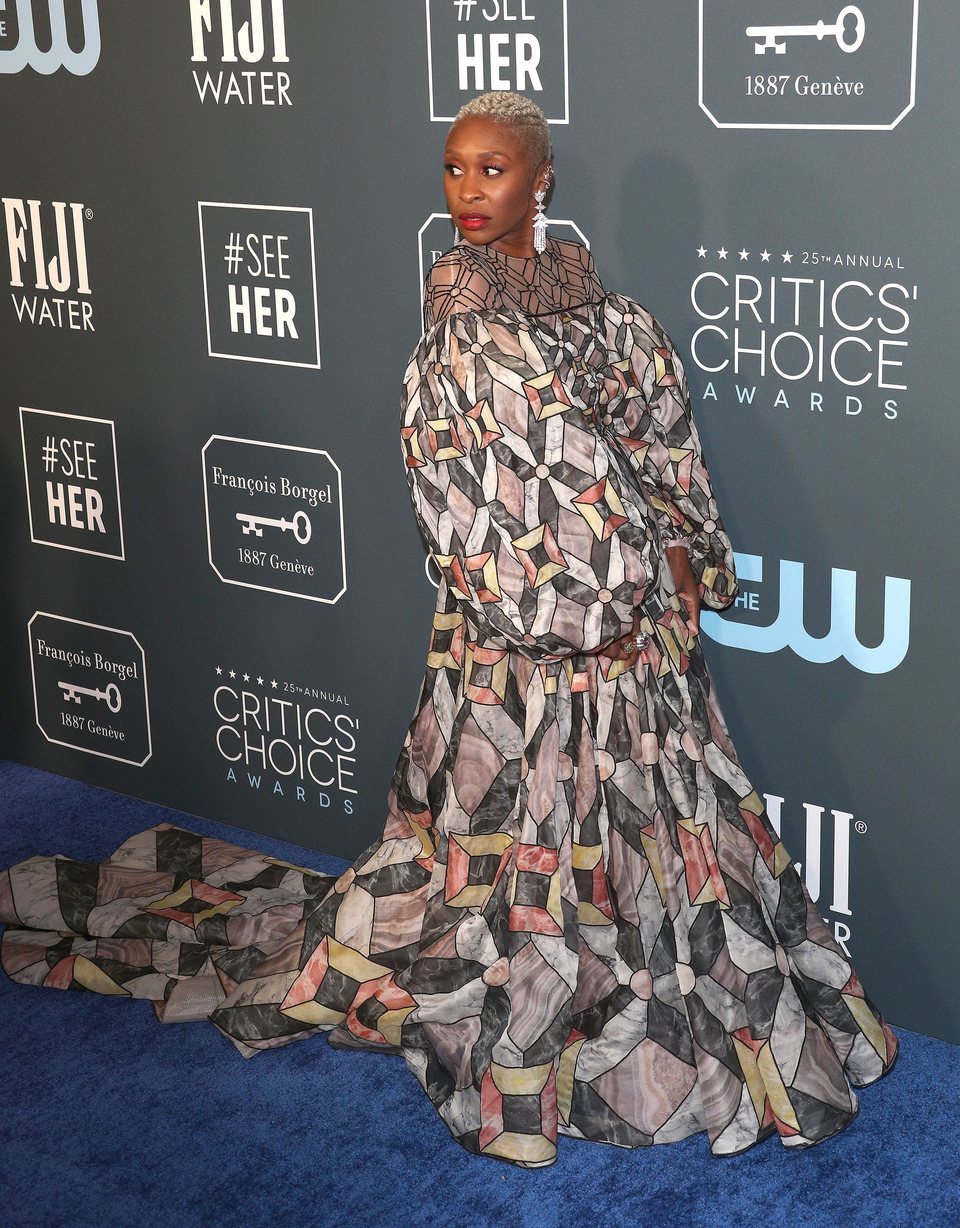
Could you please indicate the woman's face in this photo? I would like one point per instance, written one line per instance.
(489, 184)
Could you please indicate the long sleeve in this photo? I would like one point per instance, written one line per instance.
(667, 456)
(514, 494)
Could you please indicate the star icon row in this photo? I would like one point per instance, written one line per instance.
(232, 673)
(786, 257)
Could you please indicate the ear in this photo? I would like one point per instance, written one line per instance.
(544, 176)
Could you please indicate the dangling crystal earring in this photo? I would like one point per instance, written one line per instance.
(540, 220)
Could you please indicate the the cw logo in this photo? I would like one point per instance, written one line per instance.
(61, 54)
(840, 641)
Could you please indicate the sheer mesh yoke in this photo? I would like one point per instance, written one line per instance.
(477, 277)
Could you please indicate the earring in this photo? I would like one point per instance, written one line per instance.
(540, 220)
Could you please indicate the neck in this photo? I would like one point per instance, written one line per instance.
(522, 248)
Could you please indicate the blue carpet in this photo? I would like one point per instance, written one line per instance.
(108, 1118)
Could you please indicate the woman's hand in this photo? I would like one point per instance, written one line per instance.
(686, 583)
(625, 647)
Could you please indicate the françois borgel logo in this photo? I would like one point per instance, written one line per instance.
(437, 235)
(90, 688)
(808, 63)
(478, 45)
(250, 38)
(47, 251)
(73, 491)
(260, 283)
(76, 50)
(274, 518)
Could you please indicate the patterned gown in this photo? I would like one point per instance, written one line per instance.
(578, 918)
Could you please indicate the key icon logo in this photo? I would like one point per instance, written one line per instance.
(850, 67)
(299, 525)
(90, 688)
(110, 695)
(288, 539)
(772, 38)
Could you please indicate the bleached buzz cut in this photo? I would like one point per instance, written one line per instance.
(514, 111)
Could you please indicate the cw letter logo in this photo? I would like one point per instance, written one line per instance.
(61, 54)
(841, 640)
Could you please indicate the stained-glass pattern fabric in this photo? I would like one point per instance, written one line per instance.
(578, 919)
(171, 916)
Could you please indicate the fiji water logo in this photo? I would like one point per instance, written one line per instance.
(17, 23)
(825, 864)
(245, 40)
(789, 631)
(47, 256)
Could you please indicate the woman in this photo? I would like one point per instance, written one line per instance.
(578, 918)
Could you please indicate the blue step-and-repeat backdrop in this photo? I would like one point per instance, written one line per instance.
(217, 215)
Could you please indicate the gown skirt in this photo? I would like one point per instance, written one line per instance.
(578, 918)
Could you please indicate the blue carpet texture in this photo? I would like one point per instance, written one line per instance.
(108, 1118)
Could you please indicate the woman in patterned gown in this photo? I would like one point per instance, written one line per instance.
(578, 918)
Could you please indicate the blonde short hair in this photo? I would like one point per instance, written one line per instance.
(514, 111)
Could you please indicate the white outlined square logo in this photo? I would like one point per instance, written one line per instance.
(260, 283)
(90, 688)
(72, 482)
(808, 64)
(478, 45)
(275, 518)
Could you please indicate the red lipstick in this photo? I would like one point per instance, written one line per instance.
(473, 221)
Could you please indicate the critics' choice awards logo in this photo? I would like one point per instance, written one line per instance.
(808, 63)
(438, 234)
(47, 252)
(286, 739)
(239, 36)
(788, 629)
(90, 688)
(818, 331)
(825, 866)
(275, 518)
(478, 45)
(75, 47)
(73, 489)
(260, 283)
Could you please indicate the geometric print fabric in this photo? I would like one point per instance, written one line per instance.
(578, 918)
